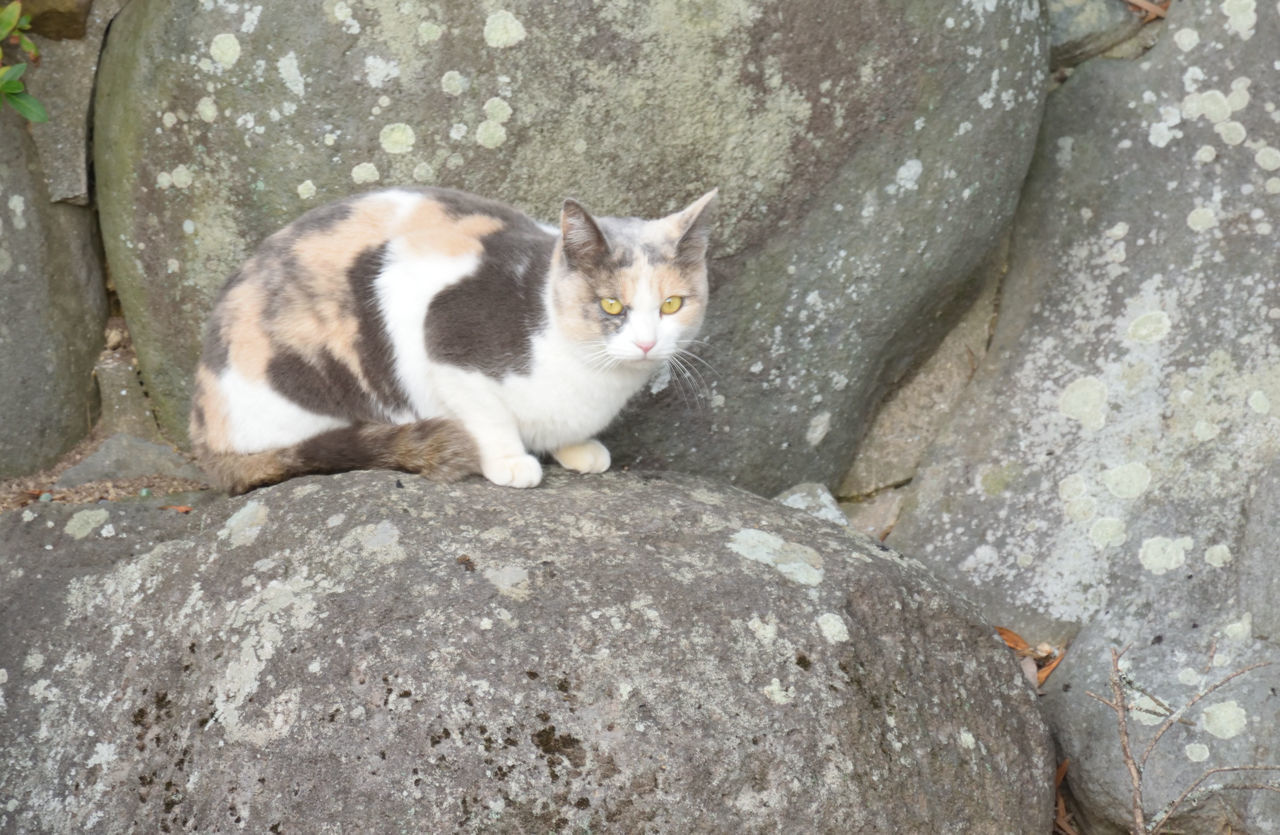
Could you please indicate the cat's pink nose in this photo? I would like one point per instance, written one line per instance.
(646, 346)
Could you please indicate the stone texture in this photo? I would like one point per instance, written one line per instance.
(1082, 29)
(54, 308)
(913, 414)
(617, 653)
(58, 18)
(867, 155)
(124, 456)
(125, 407)
(64, 84)
(815, 500)
(1097, 483)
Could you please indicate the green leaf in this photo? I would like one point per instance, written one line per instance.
(28, 107)
(24, 22)
(25, 44)
(9, 18)
(11, 87)
(12, 73)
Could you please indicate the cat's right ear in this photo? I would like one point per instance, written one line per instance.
(585, 245)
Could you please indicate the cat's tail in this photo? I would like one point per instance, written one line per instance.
(439, 449)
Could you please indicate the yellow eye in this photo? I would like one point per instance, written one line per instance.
(672, 303)
(611, 306)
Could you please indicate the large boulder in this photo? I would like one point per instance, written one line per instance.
(1101, 484)
(374, 652)
(54, 305)
(867, 155)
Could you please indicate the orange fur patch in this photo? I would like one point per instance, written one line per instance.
(429, 230)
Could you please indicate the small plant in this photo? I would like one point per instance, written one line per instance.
(13, 23)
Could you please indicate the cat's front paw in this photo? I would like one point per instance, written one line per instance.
(514, 471)
(587, 457)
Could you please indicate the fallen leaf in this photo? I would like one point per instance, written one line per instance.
(1013, 639)
(1048, 668)
(181, 508)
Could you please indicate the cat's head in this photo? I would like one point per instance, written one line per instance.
(629, 290)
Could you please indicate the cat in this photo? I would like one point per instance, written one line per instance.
(441, 333)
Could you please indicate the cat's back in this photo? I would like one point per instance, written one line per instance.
(313, 316)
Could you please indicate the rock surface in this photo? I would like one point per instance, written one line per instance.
(867, 156)
(126, 456)
(54, 308)
(1082, 29)
(1091, 485)
(618, 652)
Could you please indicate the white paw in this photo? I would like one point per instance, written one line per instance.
(588, 457)
(514, 471)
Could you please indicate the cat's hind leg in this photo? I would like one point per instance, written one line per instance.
(587, 457)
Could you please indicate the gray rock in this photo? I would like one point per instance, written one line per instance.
(125, 407)
(64, 84)
(54, 308)
(124, 456)
(815, 500)
(1091, 485)
(617, 653)
(868, 156)
(1082, 29)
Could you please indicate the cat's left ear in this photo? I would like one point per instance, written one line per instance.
(694, 227)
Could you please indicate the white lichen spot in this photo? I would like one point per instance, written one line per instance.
(1066, 146)
(365, 172)
(1212, 105)
(1273, 185)
(423, 172)
(189, 226)
(1107, 531)
(1217, 555)
(1197, 752)
(225, 49)
(85, 522)
(1241, 630)
(765, 631)
(1080, 510)
(164, 180)
(798, 563)
(292, 77)
(1190, 677)
(1149, 327)
(342, 13)
(1242, 16)
(381, 542)
(306, 189)
(1259, 402)
(207, 109)
(104, 753)
(502, 30)
(1206, 154)
(397, 138)
(429, 32)
(1074, 486)
(510, 581)
(1203, 430)
(1202, 219)
(819, 426)
(168, 120)
(966, 739)
(1127, 481)
(1085, 400)
(490, 134)
(457, 130)
(497, 110)
(1146, 710)
(908, 174)
(245, 524)
(1160, 554)
(1267, 158)
(182, 177)
(33, 662)
(453, 83)
(378, 71)
(833, 628)
(1186, 39)
(1231, 132)
(1225, 719)
(777, 693)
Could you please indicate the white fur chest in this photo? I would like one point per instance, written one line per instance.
(565, 401)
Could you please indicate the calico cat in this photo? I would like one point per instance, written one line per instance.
(437, 332)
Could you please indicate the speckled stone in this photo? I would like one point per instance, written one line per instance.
(1099, 481)
(867, 156)
(54, 307)
(620, 653)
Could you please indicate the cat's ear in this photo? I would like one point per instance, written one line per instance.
(694, 227)
(585, 245)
